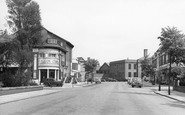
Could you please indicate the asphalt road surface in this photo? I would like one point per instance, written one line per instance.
(116, 98)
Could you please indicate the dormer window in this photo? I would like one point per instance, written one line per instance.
(52, 41)
(61, 44)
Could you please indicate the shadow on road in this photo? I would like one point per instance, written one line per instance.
(176, 104)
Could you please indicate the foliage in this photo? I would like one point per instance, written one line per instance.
(176, 71)
(90, 65)
(32, 83)
(147, 67)
(7, 79)
(25, 21)
(6, 50)
(172, 42)
(52, 82)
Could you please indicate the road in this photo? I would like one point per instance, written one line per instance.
(116, 98)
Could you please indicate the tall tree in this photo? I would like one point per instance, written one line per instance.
(25, 21)
(147, 67)
(172, 42)
(90, 65)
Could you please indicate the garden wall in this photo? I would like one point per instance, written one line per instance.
(12, 90)
(179, 88)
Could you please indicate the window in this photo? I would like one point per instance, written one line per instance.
(42, 55)
(129, 66)
(129, 74)
(61, 44)
(52, 41)
(52, 55)
(134, 66)
(135, 74)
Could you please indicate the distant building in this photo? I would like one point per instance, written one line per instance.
(105, 69)
(78, 69)
(123, 69)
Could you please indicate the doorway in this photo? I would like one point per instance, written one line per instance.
(43, 74)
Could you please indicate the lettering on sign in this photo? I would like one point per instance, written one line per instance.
(51, 62)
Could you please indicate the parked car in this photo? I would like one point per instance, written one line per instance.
(129, 81)
(136, 82)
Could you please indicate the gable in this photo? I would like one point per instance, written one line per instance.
(104, 67)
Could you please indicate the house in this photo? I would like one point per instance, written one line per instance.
(105, 68)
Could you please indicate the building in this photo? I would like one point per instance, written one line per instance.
(160, 62)
(78, 69)
(105, 68)
(123, 69)
(53, 59)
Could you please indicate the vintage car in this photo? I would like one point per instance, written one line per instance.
(137, 82)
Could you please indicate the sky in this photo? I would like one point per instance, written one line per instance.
(109, 30)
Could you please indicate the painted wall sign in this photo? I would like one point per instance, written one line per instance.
(48, 62)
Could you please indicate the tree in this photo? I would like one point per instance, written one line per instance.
(25, 21)
(172, 42)
(147, 67)
(90, 65)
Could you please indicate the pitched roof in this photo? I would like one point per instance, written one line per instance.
(70, 44)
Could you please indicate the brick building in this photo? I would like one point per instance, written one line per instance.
(123, 69)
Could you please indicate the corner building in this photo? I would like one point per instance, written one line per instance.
(53, 58)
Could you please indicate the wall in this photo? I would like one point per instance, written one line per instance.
(12, 90)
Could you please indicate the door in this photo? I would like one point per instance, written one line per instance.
(43, 74)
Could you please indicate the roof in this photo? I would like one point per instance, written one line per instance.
(70, 44)
(103, 66)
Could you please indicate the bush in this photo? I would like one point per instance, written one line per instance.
(52, 82)
(182, 83)
(32, 83)
(7, 79)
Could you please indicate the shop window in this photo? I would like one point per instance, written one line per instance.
(51, 73)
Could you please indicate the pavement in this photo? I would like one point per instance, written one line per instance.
(26, 95)
(46, 91)
(175, 95)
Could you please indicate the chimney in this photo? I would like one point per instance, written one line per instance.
(145, 52)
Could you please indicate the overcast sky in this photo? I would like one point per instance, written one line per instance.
(109, 30)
